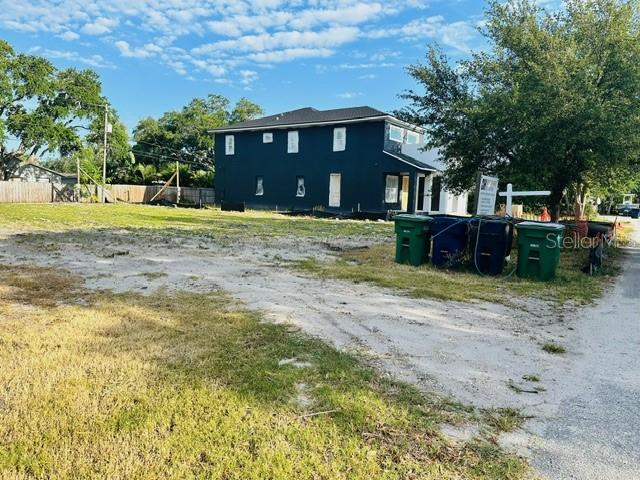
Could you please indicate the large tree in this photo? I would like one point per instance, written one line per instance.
(42, 109)
(185, 136)
(553, 103)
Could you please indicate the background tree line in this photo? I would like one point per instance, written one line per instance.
(56, 117)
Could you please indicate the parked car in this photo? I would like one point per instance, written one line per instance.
(627, 209)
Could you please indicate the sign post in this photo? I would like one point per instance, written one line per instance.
(509, 194)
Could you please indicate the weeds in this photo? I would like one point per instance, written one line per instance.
(553, 347)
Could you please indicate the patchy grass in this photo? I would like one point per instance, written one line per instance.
(506, 419)
(376, 265)
(96, 384)
(153, 275)
(553, 347)
(531, 378)
(207, 222)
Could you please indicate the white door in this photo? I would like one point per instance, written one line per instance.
(334, 189)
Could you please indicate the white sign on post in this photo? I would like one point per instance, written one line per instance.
(487, 192)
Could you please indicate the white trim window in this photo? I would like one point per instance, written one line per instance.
(292, 142)
(229, 145)
(392, 184)
(267, 137)
(413, 138)
(300, 190)
(259, 186)
(339, 139)
(396, 133)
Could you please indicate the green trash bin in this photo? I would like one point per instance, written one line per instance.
(539, 245)
(412, 239)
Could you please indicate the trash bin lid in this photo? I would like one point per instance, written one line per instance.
(412, 218)
(540, 226)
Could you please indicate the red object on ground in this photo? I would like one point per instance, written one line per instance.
(544, 216)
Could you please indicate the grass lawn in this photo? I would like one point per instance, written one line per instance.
(208, 222)
(102, 385)
(376, 265)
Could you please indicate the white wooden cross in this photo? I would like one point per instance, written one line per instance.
(510, 194)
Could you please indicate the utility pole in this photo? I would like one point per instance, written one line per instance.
(78, 186)
(177, 182)
(104, 153)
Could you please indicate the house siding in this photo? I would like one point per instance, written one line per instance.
(362, 166)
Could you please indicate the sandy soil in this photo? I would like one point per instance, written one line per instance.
(474, 352)
(477, 353)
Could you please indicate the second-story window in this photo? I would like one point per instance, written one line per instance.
(229, 145)
(396, 133)
(339, 139)
(292, 142)
(267, 137)
(413, 138)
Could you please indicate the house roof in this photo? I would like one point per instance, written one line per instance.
(41, 167)
(304, 117)
(412, 161)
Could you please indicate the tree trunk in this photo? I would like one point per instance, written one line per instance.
(581, 201)
(555, 201)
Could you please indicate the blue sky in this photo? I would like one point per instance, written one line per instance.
(156, 55)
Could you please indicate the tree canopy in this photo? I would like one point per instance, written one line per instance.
(42, 108)
(553, 103)
(185, 136)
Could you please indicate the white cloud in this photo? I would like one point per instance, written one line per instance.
(330, 37)
(69, 35)
(148, 50)
(247, 77)
(100, 26)
(96, 61)
(233, 36)
(352, 15)
(458, 35)
(288, 54)
(348, 95)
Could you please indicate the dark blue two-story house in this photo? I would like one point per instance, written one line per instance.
(342, 160)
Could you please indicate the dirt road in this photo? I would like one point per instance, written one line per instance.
(594, 431)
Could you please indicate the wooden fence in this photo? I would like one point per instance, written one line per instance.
(144, 194)
(26, 192)
(35, 192)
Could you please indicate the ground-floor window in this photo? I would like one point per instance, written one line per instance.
(436, 188)
(335, 180)
(300, 190)
(391, 189)
(259, 186)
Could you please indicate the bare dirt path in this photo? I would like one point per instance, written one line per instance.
(594, 431)
(473, 352)
(586, 413)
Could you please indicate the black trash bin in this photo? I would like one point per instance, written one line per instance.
(490, 242)
(449, 240)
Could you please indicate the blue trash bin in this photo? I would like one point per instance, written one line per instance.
(489, 243)
(635, 213)
(449, 240)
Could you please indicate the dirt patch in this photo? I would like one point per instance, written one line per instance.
(471, 351)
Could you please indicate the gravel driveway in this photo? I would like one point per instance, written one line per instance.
(595, 431)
